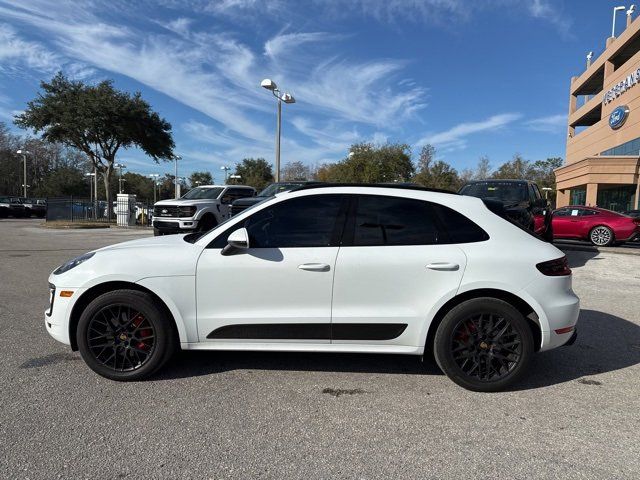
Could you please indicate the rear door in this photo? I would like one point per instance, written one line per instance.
(394, 265)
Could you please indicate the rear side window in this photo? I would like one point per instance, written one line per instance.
(459, 228)
(394, 221)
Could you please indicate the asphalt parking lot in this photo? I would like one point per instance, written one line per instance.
(264, 415)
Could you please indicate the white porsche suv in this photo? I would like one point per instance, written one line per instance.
(200, 209)
(326, 268)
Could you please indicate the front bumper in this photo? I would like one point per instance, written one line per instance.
(56, 317)
(175, 225)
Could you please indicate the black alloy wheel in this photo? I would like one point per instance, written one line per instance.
(125, 335)
(484, 344)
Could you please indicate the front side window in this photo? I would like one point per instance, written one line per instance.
(394, 221)
(311, 221)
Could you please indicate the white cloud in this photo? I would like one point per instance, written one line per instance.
(15, 50)
(551, 123)
(455, 137)
(542, 9)
(286, 42)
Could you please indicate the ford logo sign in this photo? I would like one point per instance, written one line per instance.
(618, 117)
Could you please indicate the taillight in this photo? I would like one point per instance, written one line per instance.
(555, 268)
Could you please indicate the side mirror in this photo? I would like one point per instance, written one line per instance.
(542, 203)
(238, 240)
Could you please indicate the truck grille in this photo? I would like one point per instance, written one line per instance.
(173, 211)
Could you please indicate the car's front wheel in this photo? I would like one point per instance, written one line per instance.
(484, 345)
(124, 335)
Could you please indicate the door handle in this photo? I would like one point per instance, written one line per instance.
(314, 267)
(443, 266)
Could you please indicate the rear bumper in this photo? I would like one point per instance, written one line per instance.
(572, 339)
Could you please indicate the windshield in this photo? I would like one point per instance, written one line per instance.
(274, 188)
(203, 193)
(507, 192)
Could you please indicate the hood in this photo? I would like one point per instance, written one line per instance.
(183, 202)
(150, 242)
(249, 201)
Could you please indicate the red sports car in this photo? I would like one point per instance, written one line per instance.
(601, 227)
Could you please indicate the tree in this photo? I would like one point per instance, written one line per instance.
(483, 169)
(368, 163)
(438, 174)
(255, 172)
(517, 168)
(296, 171)
(200, 178)
(98, 120)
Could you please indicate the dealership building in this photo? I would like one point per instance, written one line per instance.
(602, 166)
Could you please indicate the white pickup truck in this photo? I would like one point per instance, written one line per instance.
(200, 209)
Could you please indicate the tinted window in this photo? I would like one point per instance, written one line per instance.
(459, 228)
(586, 213)
(235, 193)
(394, 221)
(299, 222)
(565, 212)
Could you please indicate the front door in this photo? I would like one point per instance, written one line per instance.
(395, 267)
(279, 289)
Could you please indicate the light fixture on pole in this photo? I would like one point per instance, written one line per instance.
(616, 10)
(226, 173)
(24, 154)
(632, 9)
(120, 180)
(235, 177)
(546, 191)
(589, 57)
(175, 178)
(154, 177)
(282, 97)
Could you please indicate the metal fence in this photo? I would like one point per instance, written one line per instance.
(75, 209)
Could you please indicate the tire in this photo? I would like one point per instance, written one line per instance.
(207, 223)
(157, 232)
(601, 236)
(466, 350)
(128, 328)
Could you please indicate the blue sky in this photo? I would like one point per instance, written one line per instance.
(481, 77)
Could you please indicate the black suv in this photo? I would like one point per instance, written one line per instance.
(243, 203)
(520, 200)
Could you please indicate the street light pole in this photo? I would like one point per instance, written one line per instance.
(120, 180)
(226, 173)
(175, 178)
(154, 179)
(613, 27)
(282, 97)
(24, 154)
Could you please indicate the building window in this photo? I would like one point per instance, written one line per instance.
(618, 198)
(578, 196)
(632, 147)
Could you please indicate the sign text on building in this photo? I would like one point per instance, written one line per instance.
(621, 87)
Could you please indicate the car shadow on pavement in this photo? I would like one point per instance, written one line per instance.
(579, 259)
(605, 343)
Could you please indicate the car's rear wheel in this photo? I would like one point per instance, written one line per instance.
(484, 345)
(601, 236)
(124, 335)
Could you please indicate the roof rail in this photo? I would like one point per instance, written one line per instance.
(399, 186)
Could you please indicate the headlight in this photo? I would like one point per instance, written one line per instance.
(65, 267)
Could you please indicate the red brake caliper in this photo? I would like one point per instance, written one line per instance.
(137, 321)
